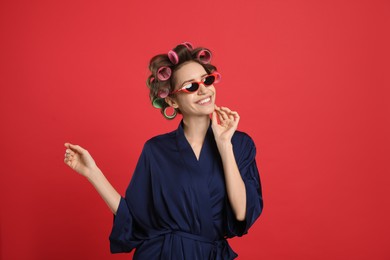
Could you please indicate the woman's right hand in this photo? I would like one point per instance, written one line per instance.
(79, 159)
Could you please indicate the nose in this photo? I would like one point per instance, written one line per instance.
(202, 89)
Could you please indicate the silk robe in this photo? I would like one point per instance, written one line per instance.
(176, 207)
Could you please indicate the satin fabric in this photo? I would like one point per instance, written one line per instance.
(176, 206)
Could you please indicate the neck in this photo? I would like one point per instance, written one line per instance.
(195, 128)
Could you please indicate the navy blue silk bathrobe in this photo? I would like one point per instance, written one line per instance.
(176, 207)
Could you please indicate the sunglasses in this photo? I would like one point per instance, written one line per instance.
(193, 86)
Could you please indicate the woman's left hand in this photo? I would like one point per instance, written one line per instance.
(224, 131)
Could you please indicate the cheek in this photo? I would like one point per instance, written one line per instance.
(184, 100)
(212, 88)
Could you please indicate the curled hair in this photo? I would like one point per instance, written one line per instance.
(163, 67)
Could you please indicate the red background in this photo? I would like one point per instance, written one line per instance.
(310, 80)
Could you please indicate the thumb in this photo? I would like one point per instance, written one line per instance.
(76, 148)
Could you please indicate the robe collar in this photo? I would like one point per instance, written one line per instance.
(185, 147)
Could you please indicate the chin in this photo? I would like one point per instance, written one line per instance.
(210, 109)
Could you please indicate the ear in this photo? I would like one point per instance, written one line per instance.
(172, 102)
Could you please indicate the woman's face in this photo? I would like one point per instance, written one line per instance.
(198, 103)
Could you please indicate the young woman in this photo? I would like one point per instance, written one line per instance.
(192, 188)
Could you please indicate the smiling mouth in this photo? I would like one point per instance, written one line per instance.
(204, 101)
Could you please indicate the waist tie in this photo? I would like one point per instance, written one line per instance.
(221, 249)
(192, 236)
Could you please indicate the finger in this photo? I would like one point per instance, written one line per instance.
(67, 145)
(220, 116)
(69, 156)
(235, 114)
(67, 161)
(69, 151)
(230, 113)
(223, 114)
(236, 117)
(214, 121)
(225, 109)
(216, 109)
(77, 148)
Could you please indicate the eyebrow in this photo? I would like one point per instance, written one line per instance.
(181, 85)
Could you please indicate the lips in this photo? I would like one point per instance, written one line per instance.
(204, 101)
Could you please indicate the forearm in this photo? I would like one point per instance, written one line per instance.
(105, 189)
(234, 184)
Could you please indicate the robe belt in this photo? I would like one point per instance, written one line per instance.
(221, 248)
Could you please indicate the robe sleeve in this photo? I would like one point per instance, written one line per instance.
(123, 236)
(245, 153)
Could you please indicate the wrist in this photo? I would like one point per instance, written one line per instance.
(224, 147)
(93, 174)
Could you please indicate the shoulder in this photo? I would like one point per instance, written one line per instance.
(161, 141)
(242, 139)
(244, 147)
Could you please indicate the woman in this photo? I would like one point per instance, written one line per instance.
(193, 187)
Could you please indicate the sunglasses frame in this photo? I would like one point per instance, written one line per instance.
(216, 75)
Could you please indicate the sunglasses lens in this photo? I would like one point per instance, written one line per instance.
(192, 87)
(209, 80)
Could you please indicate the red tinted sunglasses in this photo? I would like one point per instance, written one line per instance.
(193, 86)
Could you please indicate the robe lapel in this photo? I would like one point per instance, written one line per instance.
(199, 177)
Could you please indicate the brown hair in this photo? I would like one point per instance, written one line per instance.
(185, 53)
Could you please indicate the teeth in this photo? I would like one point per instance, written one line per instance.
(204, 101)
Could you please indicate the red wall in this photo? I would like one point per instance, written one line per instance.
(310, 80)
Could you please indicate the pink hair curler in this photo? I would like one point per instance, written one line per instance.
(172, 55)
(151, 80)
(164, 73)
(163, 93)
(204, 56)
(188, 45)
(217, 77)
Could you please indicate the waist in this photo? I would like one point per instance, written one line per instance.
(196, 237)
(220, 248)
